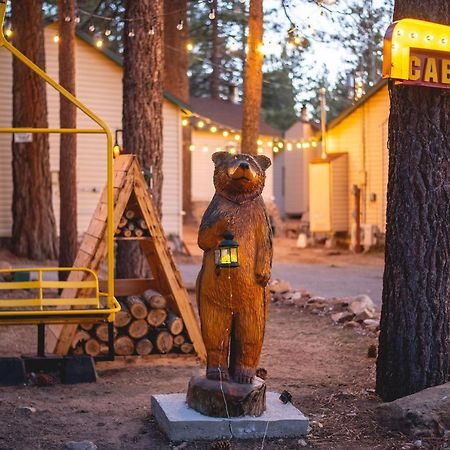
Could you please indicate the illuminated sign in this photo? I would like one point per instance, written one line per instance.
(417, 52)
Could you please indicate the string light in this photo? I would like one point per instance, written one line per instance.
(260, 150)
(205, 149)
(212, 14)
(200, 124)
(213, 129)
(185, 122)
(56, 38)
(131, 33)
(191, 147)
(180, 25)
(189, 47)
(99, 42)
(233, 150)
(91, 27)
(225, 133)
(77, 19)
(298, 145)
(108, 32)
(151, 31)
(259, 142)
(8, 31)
(237, 137)
(67, 19)
(289, 147)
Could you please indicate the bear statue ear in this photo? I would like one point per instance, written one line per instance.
(219, 157)
(263, 161)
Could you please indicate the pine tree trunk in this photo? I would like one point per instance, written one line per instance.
(215, 55)
(142, 106)
(414, 339)
(68, 234)
(176, 63)
(253, 79)
(34, 230)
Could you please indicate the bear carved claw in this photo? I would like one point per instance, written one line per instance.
(217, 373)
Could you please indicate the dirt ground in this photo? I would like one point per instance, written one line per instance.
(324, 367)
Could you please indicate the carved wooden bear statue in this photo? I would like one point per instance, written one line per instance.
(233, 301)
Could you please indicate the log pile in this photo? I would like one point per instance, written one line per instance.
(144, 326)
(131, 225)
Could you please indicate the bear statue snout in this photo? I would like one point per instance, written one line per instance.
(244, 165)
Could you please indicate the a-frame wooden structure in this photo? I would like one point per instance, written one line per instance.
(130, 186)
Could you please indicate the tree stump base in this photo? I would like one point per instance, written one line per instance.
(226, 399)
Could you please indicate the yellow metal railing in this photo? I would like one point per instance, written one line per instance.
(111, 302)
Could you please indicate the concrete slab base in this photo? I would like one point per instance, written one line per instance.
(181, 423)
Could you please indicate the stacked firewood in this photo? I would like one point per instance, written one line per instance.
(143, 326)
(131, 225)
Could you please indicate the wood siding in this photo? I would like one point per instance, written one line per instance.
(363, 136)
(99, 86)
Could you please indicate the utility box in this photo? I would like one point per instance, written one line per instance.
(328, 194)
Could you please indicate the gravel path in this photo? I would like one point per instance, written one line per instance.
(324, 280)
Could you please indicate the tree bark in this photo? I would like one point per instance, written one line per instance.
(215, 55)
(176, 64)
(253, 79)
(142, 107)
(34, 229)
(68, 231)
(414, 338)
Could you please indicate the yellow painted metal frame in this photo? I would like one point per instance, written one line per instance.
(112, 306)
(405, 34)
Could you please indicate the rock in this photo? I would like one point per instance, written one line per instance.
(360, 304)
(317, 303)
(342, 317)
(26, 410)
(280, 286)
(181, 446)
(81, 445)
(424, 414)
(302, 443)
(296, 295)
(364, 315)
(372, 324)
(352, 324)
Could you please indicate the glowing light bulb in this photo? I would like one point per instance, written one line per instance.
(107, 32)
(116, 150)
(8, 32)
(306, 145)
(205, 149)
(280, 145)
(260, 150)
(289, 147)
(191, 147)
(180, 25)
(131, 33)
(200, 124)
(298, 145)
(275, 149)
(259, 142)
(189, 47)
(99, 43)
(269, 143)
(56, 38)
(67, 19)
(237, 137)
(91, 27)
(314, 144)
(185, 122)
(225, 133)
(213, 129)
(151, 31)
(77, 19)
(233, 151)
(260, 48)
(212, 14)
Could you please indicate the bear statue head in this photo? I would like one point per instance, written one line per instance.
(239, 177)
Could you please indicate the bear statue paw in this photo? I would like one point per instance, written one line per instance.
(217, 373)
(243, 375)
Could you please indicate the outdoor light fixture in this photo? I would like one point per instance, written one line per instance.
(226, 256)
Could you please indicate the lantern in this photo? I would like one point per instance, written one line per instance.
(227, 254)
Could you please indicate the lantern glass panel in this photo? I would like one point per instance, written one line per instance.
(225, 256)
(234, 255)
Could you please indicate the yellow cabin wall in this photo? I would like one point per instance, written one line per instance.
(363, 136)
(99, 86)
